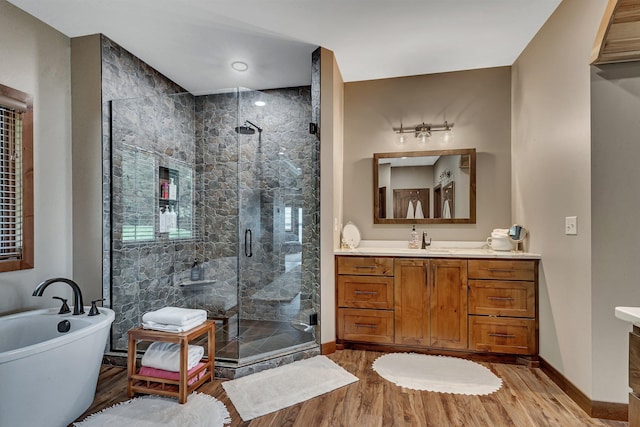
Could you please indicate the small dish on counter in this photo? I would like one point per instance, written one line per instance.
(351, 235)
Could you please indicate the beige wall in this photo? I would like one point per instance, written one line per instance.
(86, 89)
(551, 180)
(331, 131)
(477, 101)
(615, 102)
(35, 59)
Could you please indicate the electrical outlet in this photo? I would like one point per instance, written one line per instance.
(313, 319)
(571, 225)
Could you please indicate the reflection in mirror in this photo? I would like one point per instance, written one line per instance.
(425, 187)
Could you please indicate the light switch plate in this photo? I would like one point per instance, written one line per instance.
(571, 225)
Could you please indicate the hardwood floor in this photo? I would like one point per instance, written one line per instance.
(528, 398)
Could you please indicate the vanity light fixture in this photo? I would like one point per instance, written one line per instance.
(422, 131)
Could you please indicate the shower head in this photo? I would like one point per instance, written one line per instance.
(245, 130)
(248, 128)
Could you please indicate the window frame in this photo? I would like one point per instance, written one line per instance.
(27, 259)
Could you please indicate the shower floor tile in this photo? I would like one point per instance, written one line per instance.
(254, 337)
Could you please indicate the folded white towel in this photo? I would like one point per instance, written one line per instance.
(175, 316)
(172, 328)
(164, 355)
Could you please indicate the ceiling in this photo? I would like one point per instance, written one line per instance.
(193, 42)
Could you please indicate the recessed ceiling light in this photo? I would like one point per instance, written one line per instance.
(260, 103)
(239, 66)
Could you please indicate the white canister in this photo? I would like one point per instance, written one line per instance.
(499, 243)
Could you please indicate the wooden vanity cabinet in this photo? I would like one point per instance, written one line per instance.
(412, 301)
(478, 305)
(365, 299)
(431, 302)
(502, 306)
(634, 377)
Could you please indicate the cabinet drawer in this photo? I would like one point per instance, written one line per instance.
(375, 326)
(502, 270)
(502, 335)
(366, 266)
(365, 292)
(515, 299)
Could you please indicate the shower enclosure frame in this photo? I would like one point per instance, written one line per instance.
(201, 245)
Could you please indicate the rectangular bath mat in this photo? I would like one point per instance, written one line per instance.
(271, 390)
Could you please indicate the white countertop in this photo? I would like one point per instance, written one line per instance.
(629, 314)
(438, 249)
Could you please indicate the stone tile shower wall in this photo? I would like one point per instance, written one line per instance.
(140, 116)
(268, 179)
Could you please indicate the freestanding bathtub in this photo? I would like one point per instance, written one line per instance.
(48, 378)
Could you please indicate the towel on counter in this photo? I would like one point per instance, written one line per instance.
(171, 375)
(175, 316)
(166, 356)
(171, 328)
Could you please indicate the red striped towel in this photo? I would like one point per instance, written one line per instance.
(171, 375)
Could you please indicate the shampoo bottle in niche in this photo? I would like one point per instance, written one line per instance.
(197, 271)
(173, 191)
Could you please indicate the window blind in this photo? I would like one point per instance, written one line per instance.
(10, 183)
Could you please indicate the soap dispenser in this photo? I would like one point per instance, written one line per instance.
(414, 242)
(197, 271)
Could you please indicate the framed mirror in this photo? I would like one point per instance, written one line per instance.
(425, 187)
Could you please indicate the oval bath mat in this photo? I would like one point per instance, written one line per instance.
(437, 373)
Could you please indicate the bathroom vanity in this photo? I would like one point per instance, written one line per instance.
(632, 315)
(464, 300)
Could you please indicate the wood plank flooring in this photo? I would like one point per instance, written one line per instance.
(527, 398)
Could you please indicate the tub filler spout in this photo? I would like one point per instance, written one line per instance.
(78, 304)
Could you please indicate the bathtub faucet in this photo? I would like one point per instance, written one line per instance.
(78, 304)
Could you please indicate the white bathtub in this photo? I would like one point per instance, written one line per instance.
(48, 378)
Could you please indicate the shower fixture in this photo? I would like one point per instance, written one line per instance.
(248, 128)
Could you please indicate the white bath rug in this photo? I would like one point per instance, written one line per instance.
(200, 410)
(437, 373)
(271, 390)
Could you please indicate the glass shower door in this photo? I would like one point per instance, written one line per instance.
(275, 306)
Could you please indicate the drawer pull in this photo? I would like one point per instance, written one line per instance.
(502, 335)
(501, 298)
(365, 293)
(365, 325)
(365, 266)
(500, 270)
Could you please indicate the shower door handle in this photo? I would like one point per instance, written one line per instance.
(248, 246)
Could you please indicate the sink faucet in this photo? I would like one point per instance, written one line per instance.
(424, 240)
(78, 305)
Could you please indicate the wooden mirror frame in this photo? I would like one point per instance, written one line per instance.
(471, 152)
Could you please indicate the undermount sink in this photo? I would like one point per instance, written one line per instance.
(629, 314)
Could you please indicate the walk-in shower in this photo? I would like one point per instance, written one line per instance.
(242, 203)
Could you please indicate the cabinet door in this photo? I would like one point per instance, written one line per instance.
(448, 303)
(411, 301)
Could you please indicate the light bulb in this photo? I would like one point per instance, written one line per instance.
(401, 139)
(446, 138)
(423, 137)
